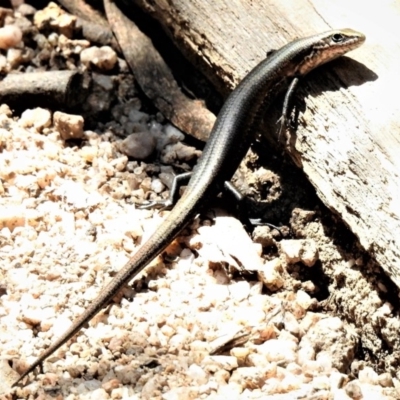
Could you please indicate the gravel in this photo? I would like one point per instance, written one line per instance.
(217, 317)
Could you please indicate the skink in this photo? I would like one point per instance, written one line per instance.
(228, 143)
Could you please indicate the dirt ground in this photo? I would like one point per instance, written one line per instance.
(228, 311)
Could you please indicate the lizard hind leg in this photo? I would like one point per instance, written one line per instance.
(179, 180)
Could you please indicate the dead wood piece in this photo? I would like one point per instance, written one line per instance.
(52, 89)
(155, 78)
(83, 10)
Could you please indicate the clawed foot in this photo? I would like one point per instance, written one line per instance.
(158, 204)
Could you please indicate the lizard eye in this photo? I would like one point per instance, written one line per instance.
(337, 37)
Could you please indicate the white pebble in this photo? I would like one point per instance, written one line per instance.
(104, 58)
(241, 354)
(39, 118)
(239, 290)
(197, 374)
(291, 324)
(368, 375)
(179, 393)
(157, 186)
(215, 363)
(276, 350)
(304, 250)
(10, 36)
(353, 390)
(303, 299)
(270, 274)
(248, 316)
(330, 323)
(14, 57)
(385, 380)
(306, 353)
(256, 360)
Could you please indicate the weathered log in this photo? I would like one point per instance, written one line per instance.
(155, 78)
(62, 89)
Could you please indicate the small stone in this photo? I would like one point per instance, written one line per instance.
(252, 377)
(26, 10)
(10, 36)
(334, 344)
(89, 153)
(264, 236)
(39, 118)
(304, 250)
(9, 375)
(280, 351)
(150, 389)
(104, 81)
(4, 67)
(368, 375)
(50, 379)
(98, 394)
(241, 354)
(178, 151)
(257, 360)
(228, 242)
(14, 57)
(248, 316)
(14, 216)
(353, 390)
(104, 58)
(157, 186)
(291, 323)
(309, 320)
(304, 300)
(166, 135)
(215, 363)
(321, 383)
(173, 133)
(69, 126)
(305, 354)
(385, 380)
(110, 385)
(197, 374)
(138, 145)
(45, 177)
(54, 17)
(138, 116)
(32, 317)
(337, 380)
(270, 274)
(5, 110)
(178, 393)
(309, 286)
(239, 290)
